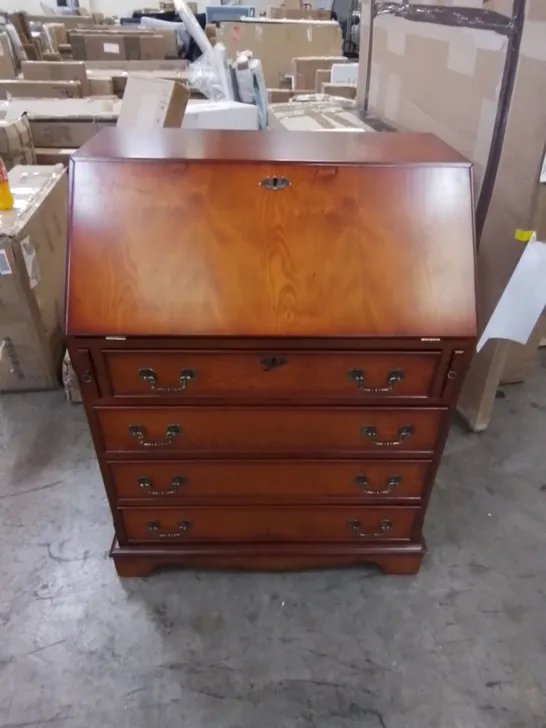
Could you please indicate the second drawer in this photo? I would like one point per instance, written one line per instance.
(266, 430)
(271, 480)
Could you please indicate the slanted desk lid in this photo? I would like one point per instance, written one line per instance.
(186, 241)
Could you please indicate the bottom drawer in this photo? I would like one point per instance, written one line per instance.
(171, 525)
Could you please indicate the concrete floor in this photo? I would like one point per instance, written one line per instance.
(462, 645)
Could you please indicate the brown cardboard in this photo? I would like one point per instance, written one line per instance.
(57, 34)
(305, 69)
(18, 89)
(7, 67)
(32, 51)
(101, 86)
(111, 46)
(51, 155)
(152, 102)
(321, 76)
(106, 67)
(70, 22)
(277, 42)
(65, 123)
(339, 89)
(16, 145)
(32, 246)
(445, 79)
(120, 71)
(298, 13)
(279, 95)
(56, 71)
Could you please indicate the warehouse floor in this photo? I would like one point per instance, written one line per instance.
(462, 645)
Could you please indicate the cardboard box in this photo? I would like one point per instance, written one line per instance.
(17, 89)
(482, 93)
(119, 77)
(339, 89)
(304, 70)
(51, 155)
(65, 123)
(220, 115)
(56, 71)
(279, 95)
(7, 66)
(16, 145)
(298, 13)
(110, 67)
(32, 252)
(70, 22)
(327, 115)
(113, 47)
(277, 42)
(321, 76)
(57, 34)
(152, 102)
(101, 86)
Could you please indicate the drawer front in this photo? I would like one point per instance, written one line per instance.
(272, 480)
(271, 374)
(247, 430)
(172, 525)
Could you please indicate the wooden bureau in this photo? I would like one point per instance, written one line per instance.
(270, 330)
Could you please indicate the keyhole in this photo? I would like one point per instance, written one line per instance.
(275, 181)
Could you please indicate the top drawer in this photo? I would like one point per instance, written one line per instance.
(272, 374)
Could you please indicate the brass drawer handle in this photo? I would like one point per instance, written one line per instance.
(403, 432)
(171, 431)
(155, 527)
(150, 376)
(355, 526)
(358, 376)
(177, 482)
(361, 481)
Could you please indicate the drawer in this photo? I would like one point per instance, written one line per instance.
(271, 374)
(172, 525)
(263, 430)
(271, 480)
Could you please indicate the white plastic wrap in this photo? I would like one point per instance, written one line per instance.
(209, 73)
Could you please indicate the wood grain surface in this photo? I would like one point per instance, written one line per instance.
(273, 373)
(245, 430)
(268, 481)
(201, 249)
(268, 524)
(274, 146)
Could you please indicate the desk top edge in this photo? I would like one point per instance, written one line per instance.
(373, 148)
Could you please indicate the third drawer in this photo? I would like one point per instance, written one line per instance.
(268, 480)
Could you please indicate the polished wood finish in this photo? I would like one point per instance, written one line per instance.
(240, 524)
(275, 375)
(143, 559)
(359, 481)
(244, 430)
(269, 375)
(327, 256)
(244, 147)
